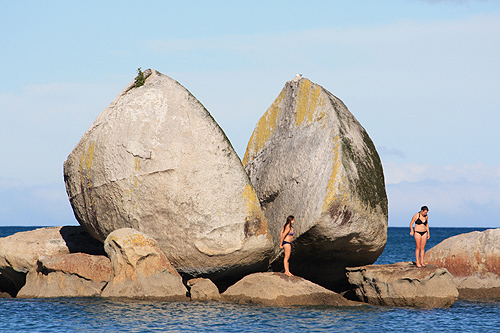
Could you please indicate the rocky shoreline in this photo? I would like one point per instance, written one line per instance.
(169, 212)
(133, 267)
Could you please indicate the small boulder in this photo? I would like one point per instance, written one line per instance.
(474, 261)
(19, 253)
(278, 289)
(309, 157)
(140, 269)
(403, 284)
(67, 275)
(202, 289)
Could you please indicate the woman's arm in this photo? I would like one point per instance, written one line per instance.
(428, 231)
(283, 235)
(413, 219)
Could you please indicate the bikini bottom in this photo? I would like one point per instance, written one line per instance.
(285, 242)
(421, 232)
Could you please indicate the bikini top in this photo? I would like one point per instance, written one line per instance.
(419, 221)
(291, 233)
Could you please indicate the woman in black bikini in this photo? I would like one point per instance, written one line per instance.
(421, 234)
(286, 239)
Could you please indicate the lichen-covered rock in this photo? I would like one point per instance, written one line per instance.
(474, 261)
(403, 284)
(19, 253)
(140, 269)
(278, 289)
(309, 157)
(67, 275)
(203, 290)
(156, 161)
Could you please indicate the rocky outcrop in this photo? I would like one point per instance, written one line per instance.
(309, 157)
(474, 261)
(278, 289)
(67, 275)
(140, 269)
(202, 289)
(403, 284)
(156, 161)
(19, 253)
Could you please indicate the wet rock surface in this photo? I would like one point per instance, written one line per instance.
(277, 289)
(403, 284)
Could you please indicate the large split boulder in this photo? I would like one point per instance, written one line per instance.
(278, 289)
(19, 253)
(309, 157)
(155, 160)
(403, 284)
(140, 269)
(474, 261)
(67, 275)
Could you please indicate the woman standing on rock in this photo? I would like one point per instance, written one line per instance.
(286, 239)
(421, 233)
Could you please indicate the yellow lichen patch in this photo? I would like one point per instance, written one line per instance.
(310, 103)
(137, 164)
(86, 163)
(136, 239)
(264, 129)
(331, 192)
(87, 158)
(256, 223)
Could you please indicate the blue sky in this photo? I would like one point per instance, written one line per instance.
(422, 77)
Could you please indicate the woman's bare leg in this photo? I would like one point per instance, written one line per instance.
(423, 241)
(288, 251)
(417, 251)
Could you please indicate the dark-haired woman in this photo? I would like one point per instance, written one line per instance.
(286, 239)
(421, 234)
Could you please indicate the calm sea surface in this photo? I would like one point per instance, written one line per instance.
(99, 315)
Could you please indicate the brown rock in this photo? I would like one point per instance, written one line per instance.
(67, 275)
(403, 284)
(202, 289)
(309, 157)
(278, 289)
(474, 261)
(19, 253)
(140, 269)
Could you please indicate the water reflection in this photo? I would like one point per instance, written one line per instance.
(97, 315)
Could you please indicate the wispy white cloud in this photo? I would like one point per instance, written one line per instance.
(42, 205)
(42, 123)
(458, 195)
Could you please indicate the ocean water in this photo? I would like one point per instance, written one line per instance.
(103, 315)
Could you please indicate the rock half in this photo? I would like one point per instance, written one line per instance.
(156, 161)
(474, 261)
(403, 284)
(278, 289)
(309, 157)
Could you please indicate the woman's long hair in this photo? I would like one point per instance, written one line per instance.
(289, 220)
